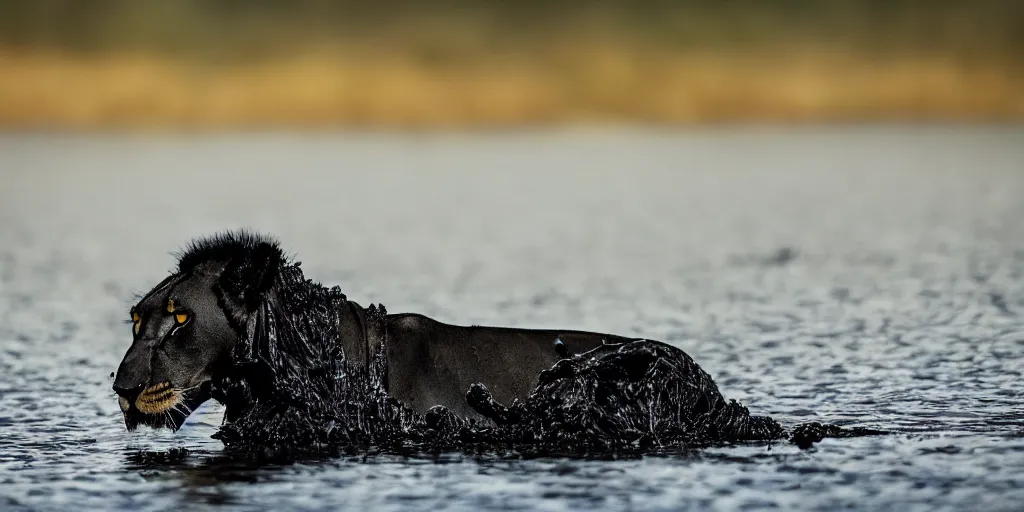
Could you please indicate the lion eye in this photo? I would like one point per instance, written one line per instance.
(181, 318)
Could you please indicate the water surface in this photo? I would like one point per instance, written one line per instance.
(864, 276)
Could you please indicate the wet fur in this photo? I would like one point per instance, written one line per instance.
(301, 378)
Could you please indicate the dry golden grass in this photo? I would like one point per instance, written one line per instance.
(584, 83)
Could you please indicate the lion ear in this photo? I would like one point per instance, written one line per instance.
(249, 276)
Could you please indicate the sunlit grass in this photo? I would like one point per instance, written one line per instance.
(567, 83)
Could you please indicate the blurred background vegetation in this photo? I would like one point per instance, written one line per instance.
(458, 63)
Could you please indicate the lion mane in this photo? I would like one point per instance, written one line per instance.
(293, 388)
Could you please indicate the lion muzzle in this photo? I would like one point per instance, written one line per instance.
(155, 399)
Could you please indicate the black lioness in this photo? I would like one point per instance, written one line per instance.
(295, 362)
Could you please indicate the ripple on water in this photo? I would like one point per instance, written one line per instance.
(871, 277)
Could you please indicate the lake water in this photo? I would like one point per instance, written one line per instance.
(867, 276)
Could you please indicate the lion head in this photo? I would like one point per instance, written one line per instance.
(185, 329)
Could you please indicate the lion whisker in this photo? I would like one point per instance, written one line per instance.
(182, 407)
(185, 390)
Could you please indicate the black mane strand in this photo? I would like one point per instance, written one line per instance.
(241, 245)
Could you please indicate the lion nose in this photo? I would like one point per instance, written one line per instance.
(128, 393)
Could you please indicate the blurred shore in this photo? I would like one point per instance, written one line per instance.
(488, 68)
